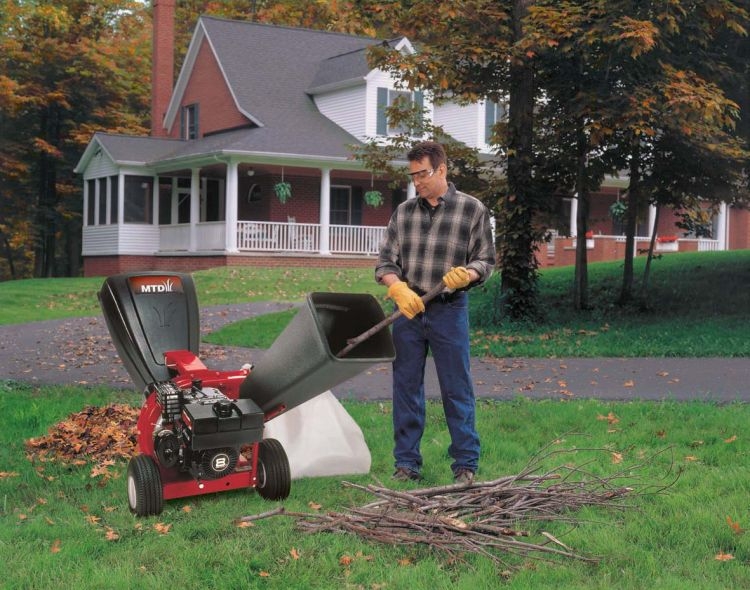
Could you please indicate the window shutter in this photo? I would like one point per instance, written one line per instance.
(489, 119)
(183, 135)
(419, 103)
(196, 121)
(382, 119)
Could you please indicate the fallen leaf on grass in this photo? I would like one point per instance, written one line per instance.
(162, 528)
(616, 458)
(242, 524)
(610, 418)
(731, 439)
(294, 553)
(6, 474)
(314, 505)
(111, 535)
(55, 547)
(723, 556)
(735, 526)
(691, 458)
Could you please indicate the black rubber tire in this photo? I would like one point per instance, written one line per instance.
(145, 494)
(274, 473)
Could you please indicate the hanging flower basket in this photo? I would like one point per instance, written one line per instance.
(283, 191)
(374, 198)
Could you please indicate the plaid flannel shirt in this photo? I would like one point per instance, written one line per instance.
(420, 248)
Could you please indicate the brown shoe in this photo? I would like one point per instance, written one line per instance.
(405, 474)
(463, 476)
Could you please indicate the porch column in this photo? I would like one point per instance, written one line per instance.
(108, 211)
(195, 203)
(721, 230)
(574, 215)
(121, 198)
(96, 201)
(86, 198)
(651, 220)
(325, 211)
(230, 198)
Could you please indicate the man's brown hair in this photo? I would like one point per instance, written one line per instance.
(430, 149)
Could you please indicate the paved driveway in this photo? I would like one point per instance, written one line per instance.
(79, 351)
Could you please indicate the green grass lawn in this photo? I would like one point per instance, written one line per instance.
(698, 305)
(682, 527)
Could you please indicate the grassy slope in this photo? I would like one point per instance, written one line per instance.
(698, 305)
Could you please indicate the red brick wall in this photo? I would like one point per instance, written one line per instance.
(95, 266)
(739, 228)
(207, 88)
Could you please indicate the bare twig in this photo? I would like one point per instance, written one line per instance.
(482, 517)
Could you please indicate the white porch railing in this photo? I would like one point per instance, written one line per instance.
(305, 237)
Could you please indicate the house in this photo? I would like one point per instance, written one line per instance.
(256, 105)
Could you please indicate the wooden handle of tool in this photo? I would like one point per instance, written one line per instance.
(352, 342)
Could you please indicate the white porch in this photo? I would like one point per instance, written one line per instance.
(250, 236)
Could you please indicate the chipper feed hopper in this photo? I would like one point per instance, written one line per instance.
(200, 431)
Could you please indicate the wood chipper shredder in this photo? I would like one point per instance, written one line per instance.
(200, 431)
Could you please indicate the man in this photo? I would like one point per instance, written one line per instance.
(443, 235)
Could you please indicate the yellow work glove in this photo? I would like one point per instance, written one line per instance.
(457, 278)
(408, 302)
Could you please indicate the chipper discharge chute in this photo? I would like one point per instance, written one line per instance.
(201, 431)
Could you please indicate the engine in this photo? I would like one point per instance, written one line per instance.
(201, 430)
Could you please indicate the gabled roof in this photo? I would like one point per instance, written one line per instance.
(128, 149)
(268, 70)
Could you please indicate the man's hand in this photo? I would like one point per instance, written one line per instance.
(457, 278)
(408, 302)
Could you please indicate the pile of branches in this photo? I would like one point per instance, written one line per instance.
(481, 517)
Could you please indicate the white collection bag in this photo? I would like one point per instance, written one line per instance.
(320, 438)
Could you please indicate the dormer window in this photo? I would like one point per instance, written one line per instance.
(493, 113)
(388, 98)
(189, 121)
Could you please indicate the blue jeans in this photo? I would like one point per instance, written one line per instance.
(442, 329)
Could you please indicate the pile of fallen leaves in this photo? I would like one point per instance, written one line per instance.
(98, 435)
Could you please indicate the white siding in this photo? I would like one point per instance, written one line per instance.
(380, 79)
(100, 165)
(346, 108)
(99, 240)
(464, 123)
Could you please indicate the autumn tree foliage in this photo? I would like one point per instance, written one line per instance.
(69, 68)
(650, 100)
(595, 88)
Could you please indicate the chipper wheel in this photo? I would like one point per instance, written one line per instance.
(145, 494)
(274, 474)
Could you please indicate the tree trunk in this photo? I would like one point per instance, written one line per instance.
(581, 283)
(631, 224)
(650, 256)
(518, 274)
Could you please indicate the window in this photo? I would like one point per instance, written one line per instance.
(90, 189)
(390, 98)
(138, 194)
(346, 205)
(102, 201)
(114, 189)
(189, 121)
(493, 113)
